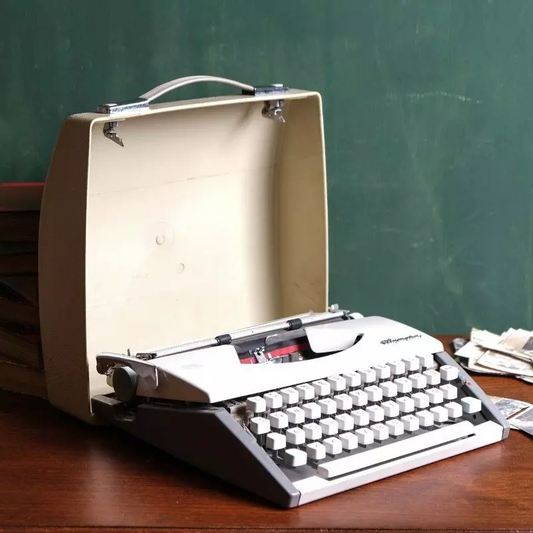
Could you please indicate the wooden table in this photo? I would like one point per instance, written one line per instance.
(56, 472)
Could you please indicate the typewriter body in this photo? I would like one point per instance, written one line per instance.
(184, 299)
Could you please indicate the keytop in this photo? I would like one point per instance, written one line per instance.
(471, 405)
(327, 406)
(449, 392)
(289, 395)
(368, 375)
(404, 385)
(312, 411)
(294, 457)
(348, 441)
(353, 379)
(375, 394)
(359, 398)
(295, 436)
(273, 400)
(256, 404)
(343, 401)
(345, 422)
(276, 441)
(360, 417)
(449, 373)
(337, 383)
(296, 415)
(333, 446)
(316, 451)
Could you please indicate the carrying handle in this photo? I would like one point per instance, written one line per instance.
(143, 102)
(189, 80)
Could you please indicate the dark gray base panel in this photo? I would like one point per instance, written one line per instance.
(206, 437)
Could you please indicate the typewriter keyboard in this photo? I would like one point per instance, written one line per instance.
(361, 418)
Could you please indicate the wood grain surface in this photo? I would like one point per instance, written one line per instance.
(57, 472)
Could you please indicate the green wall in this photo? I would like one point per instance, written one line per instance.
(428, 117)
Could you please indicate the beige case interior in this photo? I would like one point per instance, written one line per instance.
(211, 218)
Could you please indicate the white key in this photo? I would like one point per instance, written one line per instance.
(471, 405)
(296, 415)
(353, 379)
(327, 406)
(360, 417)
(390, 389)
(259, 425)
(256, 404)
(290, 395)
(368, 375)
(418, 380)
(449, 392)
(316, 451)
(312, 431)
(359, 398)
(382, 371)
(348, 440)
(343, 401)
(305, 391)
(392, 451)
(295, 436)
(375, 394)
(404, 385)
(333, 445)
(365, 436)
(322, 387)
(329, 426)
(392, 409)
(381, 432)
(412, 364)
(426, 360)
(425, 418)
(275, 441)
(435, 396)
(312, 410)
(337, 383)
(449, 372)
(433, 377)
(407, 405)
(410, 422)
(345, 422)
(395, 427)
(278, 420)
(273, 400)
(454, 410)
(439, 413)
(421, 400)
(397, 367)
(375, 413)
(294, 457)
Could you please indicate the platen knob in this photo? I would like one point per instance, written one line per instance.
(125, 381)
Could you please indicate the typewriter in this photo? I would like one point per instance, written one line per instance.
(183, 297)
(303, 408)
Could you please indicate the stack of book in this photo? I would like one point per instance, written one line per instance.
(21, 361)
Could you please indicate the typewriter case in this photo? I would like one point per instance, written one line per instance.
(166, 223)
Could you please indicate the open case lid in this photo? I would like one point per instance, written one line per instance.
(178, 221)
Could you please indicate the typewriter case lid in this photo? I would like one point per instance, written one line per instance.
(211, 217)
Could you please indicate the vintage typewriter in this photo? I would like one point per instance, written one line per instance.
(305, 408)
(201, 227)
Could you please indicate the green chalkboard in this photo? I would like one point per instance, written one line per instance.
(428, 115)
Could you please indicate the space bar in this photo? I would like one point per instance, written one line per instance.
(388, 452)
